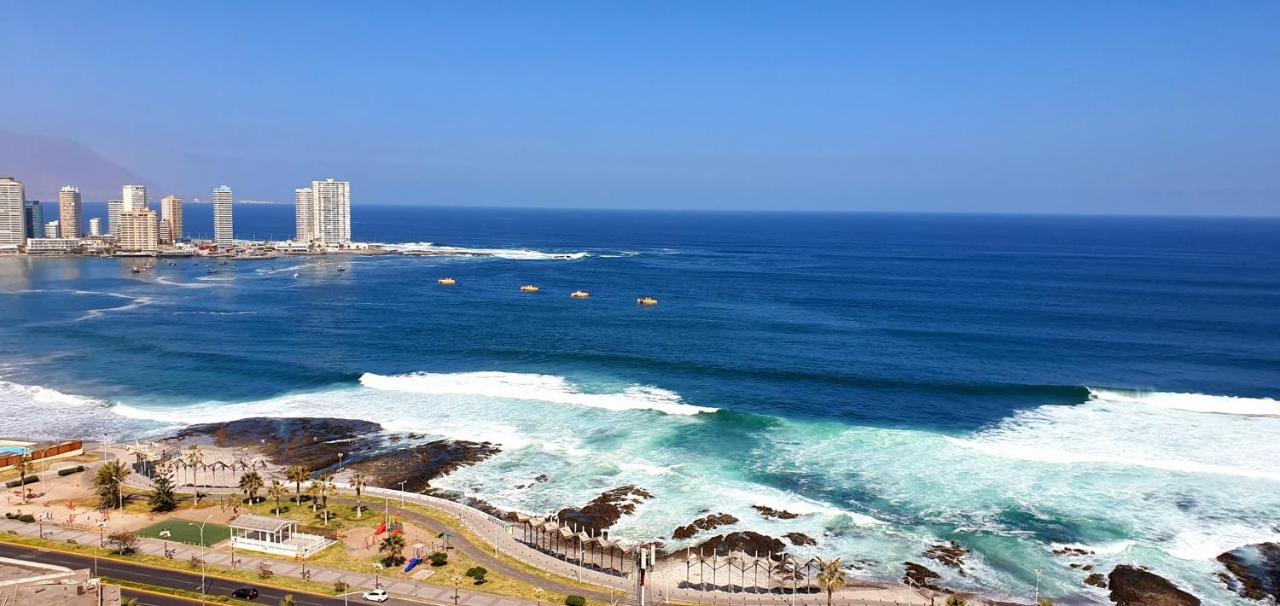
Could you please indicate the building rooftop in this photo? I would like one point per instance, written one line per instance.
(264, 524)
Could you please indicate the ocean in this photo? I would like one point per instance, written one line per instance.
(1016, 384)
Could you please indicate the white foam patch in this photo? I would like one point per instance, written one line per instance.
(522, 386)
(515, 254)
(167, 282)
(1209, 543)
(1192, 402)
(43, 412)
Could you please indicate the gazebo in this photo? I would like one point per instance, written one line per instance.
(275, 536)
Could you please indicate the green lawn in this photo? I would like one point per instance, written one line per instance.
(181, 532)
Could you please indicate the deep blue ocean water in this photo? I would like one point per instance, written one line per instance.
(1013, 383)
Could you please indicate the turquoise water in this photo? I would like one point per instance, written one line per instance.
(1014, 384)
(8, 450)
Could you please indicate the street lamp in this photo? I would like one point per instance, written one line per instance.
(402, 493)
(203, 566)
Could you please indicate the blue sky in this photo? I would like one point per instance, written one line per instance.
(1137, 107)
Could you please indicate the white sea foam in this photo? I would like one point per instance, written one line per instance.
(1192, 402)
(167, 282)
(515, 254)
(521, 386)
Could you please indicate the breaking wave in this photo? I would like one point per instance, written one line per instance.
(545, 388)
(515, 254)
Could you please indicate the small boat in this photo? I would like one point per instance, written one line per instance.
(528, 288)
(147, 265)
(341, 268)
(446, 281)
(295, 275)
(135, 269)
(212, 270)
(646, 301)
(579, 294)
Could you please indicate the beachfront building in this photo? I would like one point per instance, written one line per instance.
(114, 208)
(138, 232)
(54, 246)
(52, 229)
(171, 218)
(70, 210)
(95, 227)
(275, 536)
(13, 214)
(34, 216)
(303, 216)
(331, 210)
(222, 233)
(134, 197)
(27, 582)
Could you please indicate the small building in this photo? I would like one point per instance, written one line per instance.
(24, 582)
(275, 536)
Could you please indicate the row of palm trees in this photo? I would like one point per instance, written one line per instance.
(319, 489)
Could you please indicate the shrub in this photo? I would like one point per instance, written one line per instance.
(341, 587)
(23, 481)
(575, 600)
(70, 470)
(439, 558)
(956, 600)
(25, 517)
(477, 573)
(123, 541)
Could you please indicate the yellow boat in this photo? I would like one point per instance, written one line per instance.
(446, 281)
(646, 301)
(528, 288)
(579, 294)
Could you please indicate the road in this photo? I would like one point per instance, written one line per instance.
(172, 579)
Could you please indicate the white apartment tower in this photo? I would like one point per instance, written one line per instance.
(13, 216)
(70, 212)
(95, 227)
(137, 231)
(331, 209)
(53, 229)
(134, 197)
(114, 209)
(304, 215)
(222, 234)
(171, 214)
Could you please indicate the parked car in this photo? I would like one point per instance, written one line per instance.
(376, 595)
(245, 593)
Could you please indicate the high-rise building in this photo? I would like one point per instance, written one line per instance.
(134, 197)
(13, 213)
(171, 213)
(138, 231)
(331, 206)
(53, 229)
(95, 227)
(304, 215)
(33, 215)
(222, 233)
(114, 208)
(69, 212)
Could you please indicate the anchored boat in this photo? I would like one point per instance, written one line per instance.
(579, 294)
(528, 288)
(446, 281)
(646, 301)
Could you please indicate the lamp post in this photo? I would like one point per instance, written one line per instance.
(402, 493)
(203, 565)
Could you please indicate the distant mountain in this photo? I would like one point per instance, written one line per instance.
(45, 164)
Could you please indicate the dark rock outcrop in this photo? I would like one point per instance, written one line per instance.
(312, 442)
(948, 554)
(710, 522)
(605, 510)
(774, 514)
(417, 465)
(1096, 579)
(919, 576)
(747, 541)
(1253, 571)
(800, 538)
(1132, 586)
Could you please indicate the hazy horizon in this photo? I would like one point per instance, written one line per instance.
(1002, 108)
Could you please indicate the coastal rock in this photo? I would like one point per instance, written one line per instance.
(417, 465)
(919, 576)
(710, 522)
(1132, 586)
(1253, 571)
(1096, 579)
(1072, 552)
(948, 554)
(768, 513)
(800, 538)
(605, 510)
(313, 442)
(746, 541)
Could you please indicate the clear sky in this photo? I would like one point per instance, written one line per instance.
(1117, 107)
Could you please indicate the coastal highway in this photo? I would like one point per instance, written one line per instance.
(173, 579)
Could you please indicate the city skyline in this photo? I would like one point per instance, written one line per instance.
(1005, 107)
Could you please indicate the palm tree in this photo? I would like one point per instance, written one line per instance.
(108, 480)
(277, 491)
(194, 458)
(313, 491)
(250, 484)
(357, 482)
(297, 474)
(326, 488)
(831, 577)
(391, 549)
(24, 467)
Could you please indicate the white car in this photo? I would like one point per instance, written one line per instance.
(376, 595)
